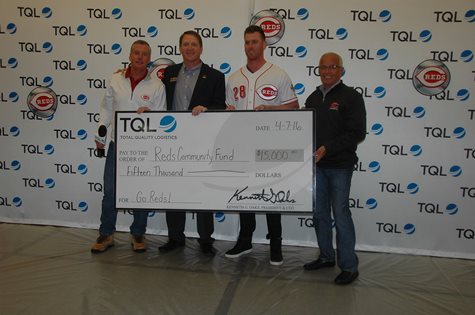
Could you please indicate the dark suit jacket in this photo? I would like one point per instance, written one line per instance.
(209, 89)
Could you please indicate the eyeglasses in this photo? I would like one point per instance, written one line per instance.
(331, 68)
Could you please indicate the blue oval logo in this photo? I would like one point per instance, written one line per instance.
(15, 165)
(152, 31)
(459, 132)
(419, 112)
(83, 206)
(47, 47)
(82, 169)
(11, 28)
(81, 30)
(416, 150)
(226, 32)
(49, 149)
(470, 16)
(382, 54)
(380, 92)
(451, 208)
(46, 12)
(81, 99)
(47, 81)
(82, 134)
(12, 63)
(466, 55)
(15, 131)
(13, 97)
(116, 48)
(385, 16)
(374, 166)
(81, 64)
(371, 203)
(168, 123)
(17, 202)
(219, 216)
(299, 88)
(302, 14)
(409, 228)
(225, 68)
(463, 95)
(412, 188)
(425, 36)
(377, 129)
(301, 51)
(49, 182)
(341, 33)
(455, 171)
(189, 13)
(116, 13)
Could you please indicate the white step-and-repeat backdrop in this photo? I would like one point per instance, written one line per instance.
(414, 187)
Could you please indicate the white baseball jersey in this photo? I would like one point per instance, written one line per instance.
(270, 85)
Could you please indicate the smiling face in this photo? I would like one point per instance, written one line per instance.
(139, 56)
(190, 49)
(330, 69)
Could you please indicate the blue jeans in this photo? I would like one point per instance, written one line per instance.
(332, 196)
(109, 213)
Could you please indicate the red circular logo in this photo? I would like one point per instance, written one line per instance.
(267, 92)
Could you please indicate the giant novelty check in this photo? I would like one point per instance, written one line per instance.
(256, 161)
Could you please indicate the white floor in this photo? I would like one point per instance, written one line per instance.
(50, 270)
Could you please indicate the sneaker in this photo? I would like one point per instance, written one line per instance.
(276, 258)
(241, 248)
(102, 243)
(138, 243)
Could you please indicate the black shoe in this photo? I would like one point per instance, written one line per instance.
(318, 264)
(276, 258)
(171, 245)
(346, 277)
(241, 248)
(208, 249)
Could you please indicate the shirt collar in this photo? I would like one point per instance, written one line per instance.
(325, 91)
(192, 69)
(128, 71)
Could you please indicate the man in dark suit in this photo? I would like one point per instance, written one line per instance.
(192, 85)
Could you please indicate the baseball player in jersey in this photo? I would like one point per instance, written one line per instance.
(260, 85)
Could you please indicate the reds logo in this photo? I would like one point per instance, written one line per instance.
(431, 77)
(160, 70)
(145, 98)
(158, 67)
(42, 101)
(271, 23)
(267, 92)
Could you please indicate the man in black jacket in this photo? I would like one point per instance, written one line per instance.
(192, 85)
(341, 125)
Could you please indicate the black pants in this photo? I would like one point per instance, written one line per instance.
(176, 226)
(248, 225)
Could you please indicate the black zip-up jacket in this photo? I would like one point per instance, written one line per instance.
(340, 124)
